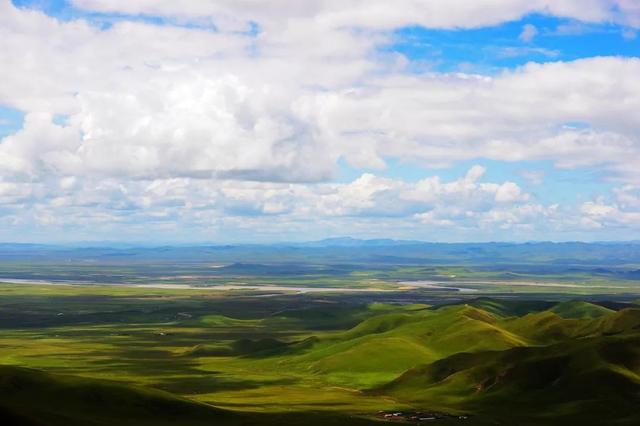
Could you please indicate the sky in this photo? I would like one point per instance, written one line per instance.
(207, 121)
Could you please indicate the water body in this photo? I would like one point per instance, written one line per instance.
(457, 287)
(439, 285)
(224, 287)
(436, 285)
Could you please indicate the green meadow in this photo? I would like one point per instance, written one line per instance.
(91, 354)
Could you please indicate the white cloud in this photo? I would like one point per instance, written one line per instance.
(574, 28)
(515, 116)
(522, 51)
(428, 198)
(71, 199)
(170, 124)
(509, 192)
(149, 101)
(622, 211)
(523, 216)
(597, 214)
(518, 115)
(534, 177)
(529, 32)
(628, 197)
(376, 14)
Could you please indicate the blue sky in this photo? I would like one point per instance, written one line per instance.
(271, 123)
(10, 120)
(491, 50)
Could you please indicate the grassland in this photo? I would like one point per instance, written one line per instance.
(253, 357)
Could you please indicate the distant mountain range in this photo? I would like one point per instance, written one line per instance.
(326, 242)
(347, 251)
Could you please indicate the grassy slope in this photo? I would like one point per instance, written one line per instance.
(224, 356)
(593, 381)
(68, 400)
(380, 348)
(573, 360)
(34, 398)
(579, 309)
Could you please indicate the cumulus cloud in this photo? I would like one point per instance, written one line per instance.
(597, 214)
(511, 117)
(622, 211)
(94, 201)
(243, 109)
(181, 102)
(373, 195)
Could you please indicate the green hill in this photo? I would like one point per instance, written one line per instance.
(509, 308)
(546, 327)
(503, 362)
(380, 348)
(592, 381)
(578, 309)
(619, 322)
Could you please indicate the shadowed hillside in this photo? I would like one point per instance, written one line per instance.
(34, 398)
(594, 381)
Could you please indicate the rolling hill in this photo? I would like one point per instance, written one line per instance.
(592, 381)
(500, 361)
